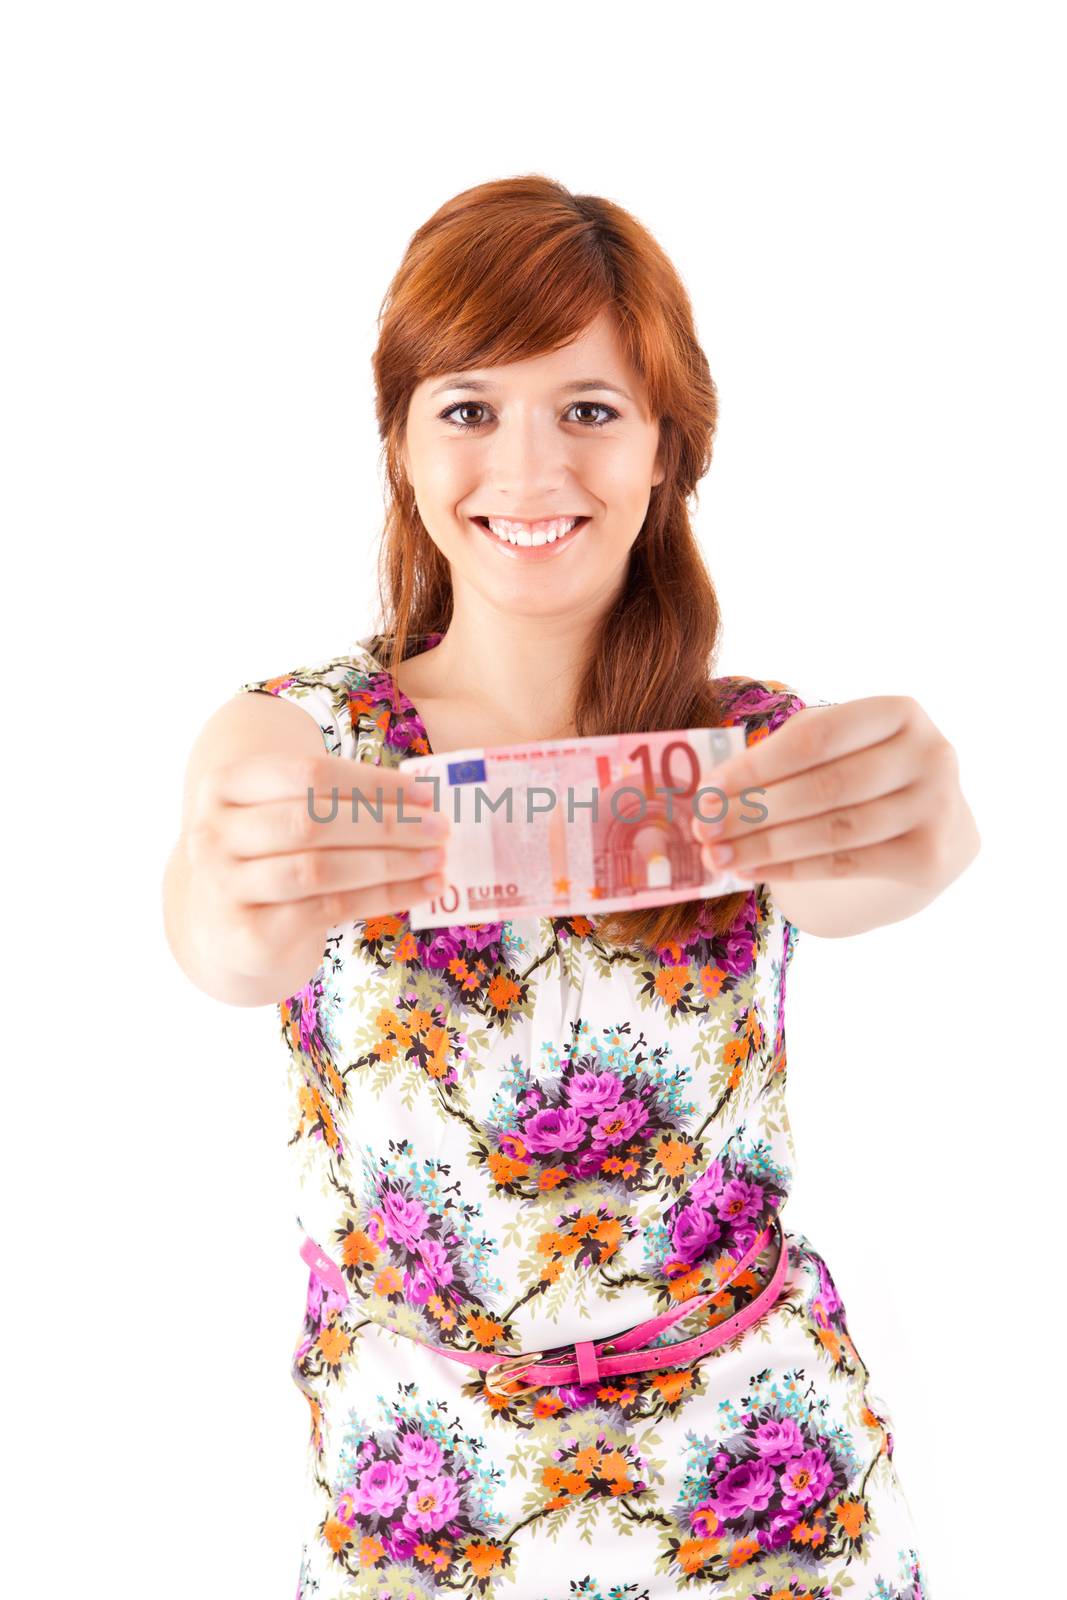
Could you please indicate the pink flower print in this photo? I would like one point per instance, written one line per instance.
(405, 1220)
(380, 1489)
(778, 1439)
(482, 935)
(440, 950)
(593, 1092)
(322, 1299)
(420, 1457)
(316, 1300)
(829, 1298)
(693, 1231)
(431, 1502)
(345, 1508)
(709, 1183)
(445, 945)
(400, 1543)
(776, 1535)
(805, 1480)
(418, 1286)
(704, 1519)
(745, 1234)
(735, 948)
(748, 1487)
(740, 950)
(555, 1128)
(588, 1163)
(575, 1396)
(403, 728)
(435, 1260)
(740, 1200)
(308, 1014)
(620, 1123)
(667, 956)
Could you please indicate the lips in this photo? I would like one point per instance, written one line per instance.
(483, 522)
(530, 552)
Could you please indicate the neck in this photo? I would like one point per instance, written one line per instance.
(521, 672)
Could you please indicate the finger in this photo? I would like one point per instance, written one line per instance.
(836, 834)
(278, 827)
(892, 859)
(254, 779)
(286, 923)
(309, 874)
(810, 738)
(851, 780)
(383, 899)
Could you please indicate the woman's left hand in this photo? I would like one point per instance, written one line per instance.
(867, 788)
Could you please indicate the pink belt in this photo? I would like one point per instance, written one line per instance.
(592, 1364)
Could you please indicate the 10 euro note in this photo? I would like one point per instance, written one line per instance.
(562, 826)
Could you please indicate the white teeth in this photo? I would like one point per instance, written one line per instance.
(531, 533)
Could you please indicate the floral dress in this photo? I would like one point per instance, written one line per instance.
(509, 1136)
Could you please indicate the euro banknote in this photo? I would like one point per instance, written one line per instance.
(557, 827)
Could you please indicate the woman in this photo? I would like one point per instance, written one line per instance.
(532, 1136)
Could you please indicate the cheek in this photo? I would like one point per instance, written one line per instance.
(444, 485)
(621, 479)
(444, 477)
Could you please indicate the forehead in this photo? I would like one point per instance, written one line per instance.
(595, 356)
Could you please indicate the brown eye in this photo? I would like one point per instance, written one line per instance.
(476, 405)
(462, 405)
(595, 405)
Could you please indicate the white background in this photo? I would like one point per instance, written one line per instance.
(203, 205)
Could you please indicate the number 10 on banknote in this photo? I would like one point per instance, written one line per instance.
(562, 826)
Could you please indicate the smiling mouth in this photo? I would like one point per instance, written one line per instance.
(565, 529)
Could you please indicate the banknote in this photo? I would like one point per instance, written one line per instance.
(557, 827)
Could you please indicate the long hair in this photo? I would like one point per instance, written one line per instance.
(518, 267)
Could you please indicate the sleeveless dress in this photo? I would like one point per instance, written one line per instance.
(508, 1136)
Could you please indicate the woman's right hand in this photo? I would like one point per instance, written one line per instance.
(270, 878)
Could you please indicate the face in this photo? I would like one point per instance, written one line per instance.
(552, 438)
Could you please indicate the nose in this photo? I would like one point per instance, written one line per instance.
(529, 460)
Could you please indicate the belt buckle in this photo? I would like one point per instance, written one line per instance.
(513, 1364)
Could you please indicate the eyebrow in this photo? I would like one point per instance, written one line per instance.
(461, 380)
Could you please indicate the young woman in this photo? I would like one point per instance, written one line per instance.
(532, 1136)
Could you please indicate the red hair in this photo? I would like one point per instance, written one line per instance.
(518, 267)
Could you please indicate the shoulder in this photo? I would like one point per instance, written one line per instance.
(336, 692)
(337, 673)
(353, 697)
